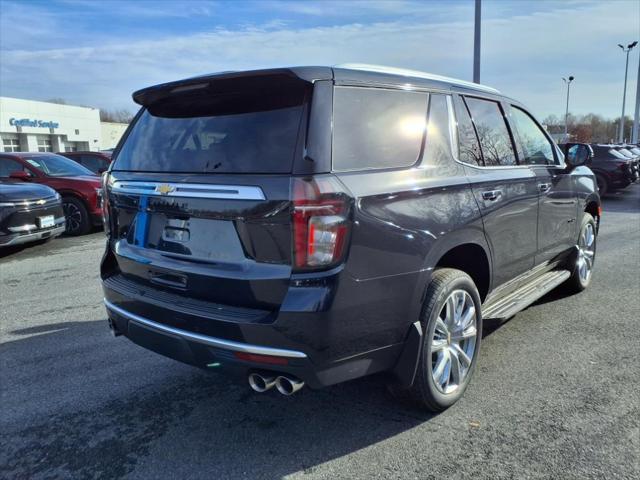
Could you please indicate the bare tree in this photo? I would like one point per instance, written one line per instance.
(116, 116)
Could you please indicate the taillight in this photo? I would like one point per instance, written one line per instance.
(321, 208)
(105, 203)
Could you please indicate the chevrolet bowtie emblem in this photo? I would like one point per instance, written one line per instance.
(165, 189)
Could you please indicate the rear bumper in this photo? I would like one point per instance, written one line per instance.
(20, 238)
(216, 343)
(313, 346)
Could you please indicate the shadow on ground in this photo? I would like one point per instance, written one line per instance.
(207, 422)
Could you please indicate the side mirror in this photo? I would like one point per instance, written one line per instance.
(577, 154)
(20, 175)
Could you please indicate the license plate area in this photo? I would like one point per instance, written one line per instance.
(47, 221)
(198, 238)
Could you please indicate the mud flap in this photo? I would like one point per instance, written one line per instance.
(407, 365)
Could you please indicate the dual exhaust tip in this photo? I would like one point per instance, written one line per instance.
(286, 385)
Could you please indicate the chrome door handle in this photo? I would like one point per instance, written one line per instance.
(491, 195)
(544, 187)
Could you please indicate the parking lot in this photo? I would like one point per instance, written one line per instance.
(555, 395)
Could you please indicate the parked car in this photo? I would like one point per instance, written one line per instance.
(629, 152)
(80, 188)
(304, 226)
(97, 162)
(28, 213)
(612, 169)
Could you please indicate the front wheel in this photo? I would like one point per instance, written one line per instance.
(76, 215)
(584, 257)
(452, 320)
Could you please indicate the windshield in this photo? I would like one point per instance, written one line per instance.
(617, 154)
(242, 132)
(625, 152)
(57, 166)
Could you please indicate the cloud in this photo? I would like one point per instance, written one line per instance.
(524, 55)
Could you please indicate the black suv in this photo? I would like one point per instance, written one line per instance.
(29, 213)
(613, 169)
(313, 225)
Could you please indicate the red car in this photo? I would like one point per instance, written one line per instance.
(97, 162)
(80, 188)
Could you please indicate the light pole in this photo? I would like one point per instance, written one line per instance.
(624, 94)
(566, 111)
(476, 43)
(635, 136)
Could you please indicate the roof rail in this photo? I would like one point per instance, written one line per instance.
(416, 73)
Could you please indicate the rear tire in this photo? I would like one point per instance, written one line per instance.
(452, 322)
(583, 259)
(76, 216)
(603, 184)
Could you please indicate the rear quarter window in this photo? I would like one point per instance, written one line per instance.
(376, 128)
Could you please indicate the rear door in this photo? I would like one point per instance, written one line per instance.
(199, 193)
(557, 200)
(505, 192)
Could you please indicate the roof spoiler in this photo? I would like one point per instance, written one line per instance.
(230, 81)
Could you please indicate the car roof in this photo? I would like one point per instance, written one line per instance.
(358, 73)
(24, 154)
(85, 152)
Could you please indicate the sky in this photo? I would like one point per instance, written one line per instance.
(96, 53)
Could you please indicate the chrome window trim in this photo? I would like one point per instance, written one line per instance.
(405, 72)
(189, 190)
(453, 120)
(204, 339)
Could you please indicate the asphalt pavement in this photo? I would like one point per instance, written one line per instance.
(555, 394)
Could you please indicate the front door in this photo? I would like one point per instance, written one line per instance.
(556, 196)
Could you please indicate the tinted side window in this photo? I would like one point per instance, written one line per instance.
(495, 140)
(377, 128)
(468, 145)
(92, 163)
(536, 148)
(7, 166)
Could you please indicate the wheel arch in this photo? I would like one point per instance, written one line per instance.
(472, 259)
(71, 193)
(465, 250)
(593, 206)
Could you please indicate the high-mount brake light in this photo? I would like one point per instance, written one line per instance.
(321, 222)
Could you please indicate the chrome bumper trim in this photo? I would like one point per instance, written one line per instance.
(32, 237)
(210, 341)
(31, 226)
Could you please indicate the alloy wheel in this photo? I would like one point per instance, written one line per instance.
(73, 216)
(586, 252)
(454, 342)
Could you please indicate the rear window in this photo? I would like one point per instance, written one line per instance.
(495, 140)
(239, 132)
(377, 128)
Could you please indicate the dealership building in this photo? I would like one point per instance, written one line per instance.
(32, 126)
